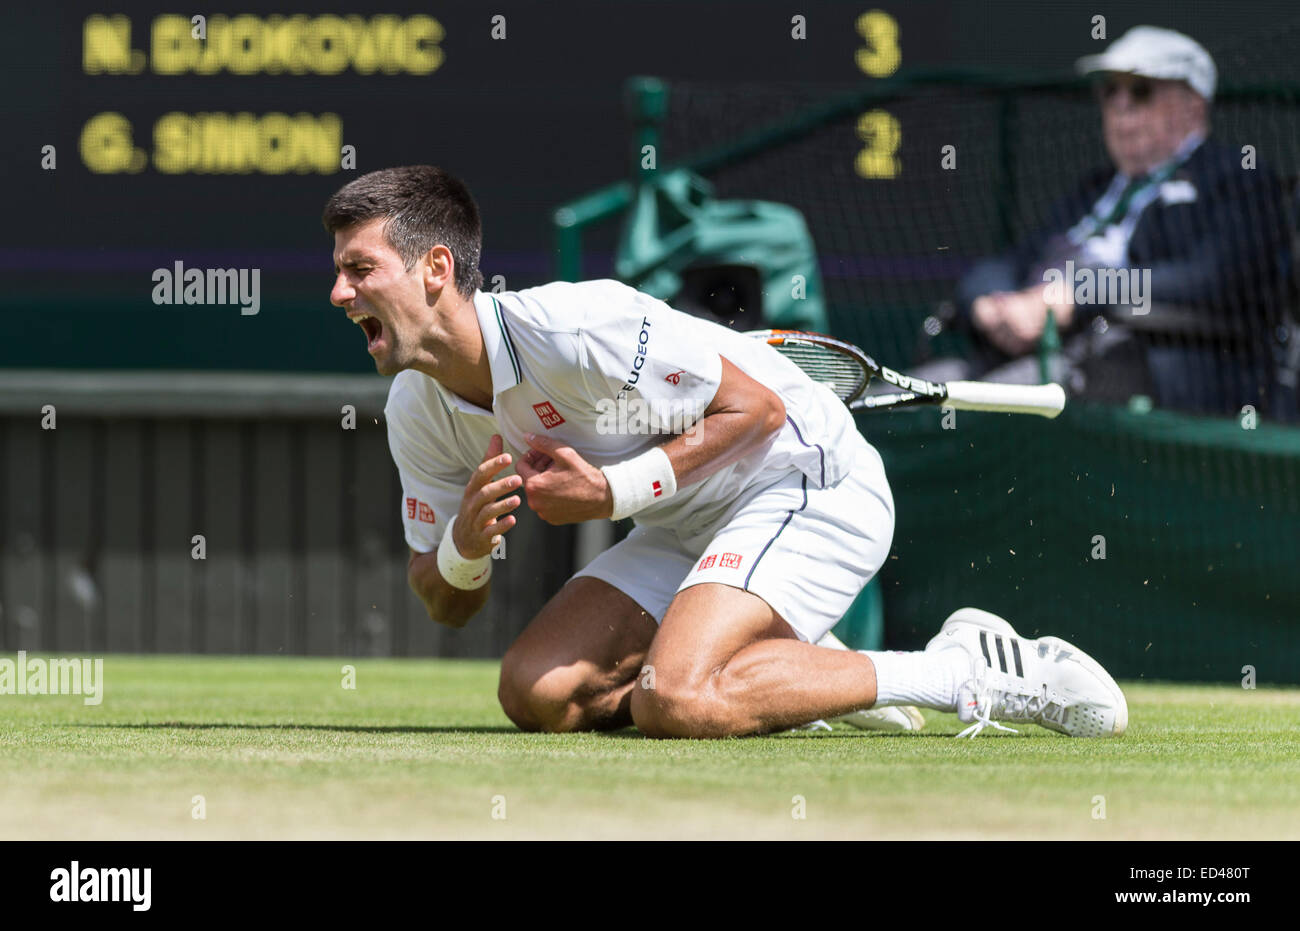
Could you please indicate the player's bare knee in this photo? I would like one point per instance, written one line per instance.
(516, 692)
(680, 710)
(646, 714)
(532, 710)
(540, 698)
(513, 696)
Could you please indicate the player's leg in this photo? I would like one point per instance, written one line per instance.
(573, 667)
(726, 664)
(977, 665)
(733, 655)
(735, 652)
(882, 718)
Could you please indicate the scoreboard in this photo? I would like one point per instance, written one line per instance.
(138, 135)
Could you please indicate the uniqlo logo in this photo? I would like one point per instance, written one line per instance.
(708, 561)
(410, 508)
(658, 489)
(548, 415)
(426, 513)
(729, 561)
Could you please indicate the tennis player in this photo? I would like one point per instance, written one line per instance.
(760, 510)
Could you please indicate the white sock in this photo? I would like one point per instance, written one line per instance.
(930, 680)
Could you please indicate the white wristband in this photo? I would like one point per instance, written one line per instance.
(467, 574)
(640, 482)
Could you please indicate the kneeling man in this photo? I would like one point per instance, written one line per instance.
(760, 510)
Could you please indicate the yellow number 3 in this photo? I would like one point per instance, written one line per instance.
(882, 56)
(882, 134)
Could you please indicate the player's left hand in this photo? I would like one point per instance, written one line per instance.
(561, 487)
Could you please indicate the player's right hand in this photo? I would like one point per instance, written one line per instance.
(482, 518)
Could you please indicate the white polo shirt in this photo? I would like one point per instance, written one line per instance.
(607, 370)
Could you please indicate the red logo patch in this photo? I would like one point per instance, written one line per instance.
(410, 508)
(675, 377)
(426, 513)
(548, 415)
(729, 561)
(658, 489)
(708, 561)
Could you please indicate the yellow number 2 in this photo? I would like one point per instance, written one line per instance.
(882, 135)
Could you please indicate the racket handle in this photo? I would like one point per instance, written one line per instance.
(1045, 400)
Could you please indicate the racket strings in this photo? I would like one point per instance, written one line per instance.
(840, 372)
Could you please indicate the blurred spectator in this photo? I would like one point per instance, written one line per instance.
(1200, 244)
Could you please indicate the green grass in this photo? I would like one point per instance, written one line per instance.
(278, 749)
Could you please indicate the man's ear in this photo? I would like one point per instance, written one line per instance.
(438, 268)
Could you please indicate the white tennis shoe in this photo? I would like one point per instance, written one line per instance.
(894, 718)
(1045, 681)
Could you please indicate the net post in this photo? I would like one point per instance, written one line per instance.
(1049, 347)
(568, 245)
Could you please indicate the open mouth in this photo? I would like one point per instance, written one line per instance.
(373, 327)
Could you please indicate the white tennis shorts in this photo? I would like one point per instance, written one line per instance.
(806, 551)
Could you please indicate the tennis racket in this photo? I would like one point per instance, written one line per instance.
(847, 371)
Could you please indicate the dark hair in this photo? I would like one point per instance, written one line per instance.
(424, 206)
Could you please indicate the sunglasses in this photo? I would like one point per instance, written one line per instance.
(1139, 92)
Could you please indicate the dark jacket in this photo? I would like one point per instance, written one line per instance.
(1219, 271)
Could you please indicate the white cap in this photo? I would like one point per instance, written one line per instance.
(1157, 53)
